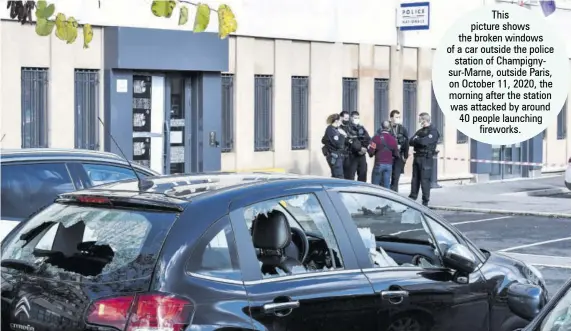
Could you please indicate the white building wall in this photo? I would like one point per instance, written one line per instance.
(20, 48)
(323, 39)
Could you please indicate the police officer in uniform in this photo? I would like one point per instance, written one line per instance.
(401, 135)
(358, 150)
(334, 145)
(424, 143)
(352, 145)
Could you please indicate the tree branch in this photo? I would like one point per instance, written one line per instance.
(196, 4)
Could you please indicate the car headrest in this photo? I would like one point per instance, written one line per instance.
(271, 231)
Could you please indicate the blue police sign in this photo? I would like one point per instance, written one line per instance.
(414, 16)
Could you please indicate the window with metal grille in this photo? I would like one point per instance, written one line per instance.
(87, 109)
(381, 97)
(409, 106)
(299, 112)
(437, 116)
(227, 113)
(263, 113)
(461, 138)
(34, 107)
(350, 94)
(562, 123)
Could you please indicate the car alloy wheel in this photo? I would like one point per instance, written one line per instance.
(406, 324)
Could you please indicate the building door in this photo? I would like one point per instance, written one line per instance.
(508, 153)
(177, 125)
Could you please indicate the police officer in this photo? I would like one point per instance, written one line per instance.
(358, 150)
(401, 135)
(334, 145)
(424, 143)
(352, 145)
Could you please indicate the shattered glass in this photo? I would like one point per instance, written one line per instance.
(123, 231)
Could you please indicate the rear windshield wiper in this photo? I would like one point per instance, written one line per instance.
(20, 265)
(35, 231)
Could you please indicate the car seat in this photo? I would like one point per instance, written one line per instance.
(271, 234)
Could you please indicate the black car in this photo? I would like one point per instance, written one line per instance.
(33, 177)
(555, 316)
(252, 252)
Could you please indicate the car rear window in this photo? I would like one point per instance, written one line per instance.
(79, 243)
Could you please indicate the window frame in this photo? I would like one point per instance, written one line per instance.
(83, 177)
(205, 239)
(248, 259)
(353, 233)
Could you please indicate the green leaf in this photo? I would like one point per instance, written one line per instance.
(163, 8)
(183, 18)
(202, 17)
(44, 27)
(60, 27)
(66, 30)
(226, 21)
(43, 10)
(71, 27)
(87, 35)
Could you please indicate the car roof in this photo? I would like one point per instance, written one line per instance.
(54, 154)
(192, 186)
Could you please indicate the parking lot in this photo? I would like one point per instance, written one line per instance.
(541, 241)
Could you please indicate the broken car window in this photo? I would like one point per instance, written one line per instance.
(85, 242)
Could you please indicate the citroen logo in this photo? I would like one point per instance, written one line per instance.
(22, 307)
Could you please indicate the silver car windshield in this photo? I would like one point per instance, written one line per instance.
(559, 318)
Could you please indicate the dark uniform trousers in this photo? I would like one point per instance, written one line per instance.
(398, 169)
(356, 164)
(421, 176)
(336, 165)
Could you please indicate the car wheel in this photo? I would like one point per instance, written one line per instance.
(407, 323)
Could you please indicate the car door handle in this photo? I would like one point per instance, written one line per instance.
(394, 297)
(270, 308)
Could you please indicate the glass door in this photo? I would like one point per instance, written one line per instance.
(507, 153)
(176, 126)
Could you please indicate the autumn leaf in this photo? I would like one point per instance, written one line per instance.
(226, 21)
(183, 17)
(202, 18)
(71, 27)
(163, 8)
(87, 35)
(66, 29)
(44, 27)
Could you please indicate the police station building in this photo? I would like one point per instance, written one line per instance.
(180, 102)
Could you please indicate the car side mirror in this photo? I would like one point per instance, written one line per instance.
(525, 300)
(459, 257)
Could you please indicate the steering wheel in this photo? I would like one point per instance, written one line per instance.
(299, 239)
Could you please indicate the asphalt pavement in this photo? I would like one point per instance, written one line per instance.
(544, 242)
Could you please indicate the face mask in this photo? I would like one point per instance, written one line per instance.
(345, 121)
(356, 121)
(396, 120)
(422, 124)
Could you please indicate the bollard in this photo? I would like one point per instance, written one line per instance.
(434, 177)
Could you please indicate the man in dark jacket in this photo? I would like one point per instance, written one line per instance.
(358, 150)
(401, 135)
(384, 148)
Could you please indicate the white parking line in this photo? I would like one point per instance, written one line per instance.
(543, 260)
(482, 220)
(535, 244)
(456, 223)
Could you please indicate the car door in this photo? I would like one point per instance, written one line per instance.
(416, 292)
(329, 292)
(26, 187)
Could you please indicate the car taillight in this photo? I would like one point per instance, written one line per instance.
(143, 312)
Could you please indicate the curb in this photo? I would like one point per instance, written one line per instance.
(502, 211)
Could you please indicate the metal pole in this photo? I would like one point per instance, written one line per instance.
(434, 177)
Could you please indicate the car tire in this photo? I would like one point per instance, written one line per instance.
(412, 322)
